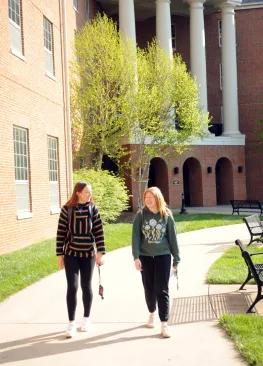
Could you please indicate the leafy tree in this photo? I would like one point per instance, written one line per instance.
(165, 110)
(109, 192)
(102, 82)
(152, 101)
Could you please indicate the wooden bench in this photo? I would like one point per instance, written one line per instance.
(255, 228)
(254, 271)
(246, 205)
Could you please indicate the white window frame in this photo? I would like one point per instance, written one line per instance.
(222, 115)
(21, 165)
(53, 174)
(14, 14)
(220, 76)
(219, 32)
(48, 45)
(87, 10)
(76, 5)
(173, 36)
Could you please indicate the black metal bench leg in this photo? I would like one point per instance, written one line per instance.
(251, 239)
(257, 299)
(249, 277)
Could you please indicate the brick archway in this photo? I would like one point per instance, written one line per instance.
(158, 176)
(192, 177)
(224, 181)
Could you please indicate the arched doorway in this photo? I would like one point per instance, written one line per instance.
(193, 188)
(158, 176)
(108, 164)
(224, 181)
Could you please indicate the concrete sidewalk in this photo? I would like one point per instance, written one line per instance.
(33, 321)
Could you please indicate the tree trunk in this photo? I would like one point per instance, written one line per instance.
(98, 157)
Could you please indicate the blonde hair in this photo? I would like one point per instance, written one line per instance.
(159, 199)
(79, 186)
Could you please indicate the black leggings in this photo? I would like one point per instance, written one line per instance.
(74, 266)
(155, 279)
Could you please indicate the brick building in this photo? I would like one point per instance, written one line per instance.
(220, 42)
(34, 118)
(34, 166)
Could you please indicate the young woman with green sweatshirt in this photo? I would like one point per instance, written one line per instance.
(153, 242)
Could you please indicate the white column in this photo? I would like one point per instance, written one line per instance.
(197, 49)
(163, 25)
(127, 19)
(229, 70)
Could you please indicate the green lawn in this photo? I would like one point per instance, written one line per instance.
(247, 333)
(246, 330)
(23, 267)
(230, 268)
(191, 222)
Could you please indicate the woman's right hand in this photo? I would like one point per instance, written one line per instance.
(138, 264)
(60, 262)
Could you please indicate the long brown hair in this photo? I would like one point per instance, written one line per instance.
(79, 186)
(160, 202)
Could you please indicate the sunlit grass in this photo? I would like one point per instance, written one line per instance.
(247, 333)
(230, 268)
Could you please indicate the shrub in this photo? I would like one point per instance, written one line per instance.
(109, 192)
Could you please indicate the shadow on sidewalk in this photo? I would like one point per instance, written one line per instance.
(55, 343)
(209, 307)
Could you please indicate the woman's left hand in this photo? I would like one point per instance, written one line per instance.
(99, 259)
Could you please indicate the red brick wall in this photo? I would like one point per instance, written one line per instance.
(31, 99)
(249, 25)
(203, 184)
(182, 31)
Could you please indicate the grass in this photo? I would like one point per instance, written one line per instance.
(23, 267)
(231, 267)
(247, 333)
(191, 222)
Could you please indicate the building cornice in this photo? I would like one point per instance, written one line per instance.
(238, 140)
(254, 5)
(231, 3)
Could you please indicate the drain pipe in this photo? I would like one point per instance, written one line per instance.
(67, 99)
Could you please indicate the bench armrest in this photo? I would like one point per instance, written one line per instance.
(254, 254)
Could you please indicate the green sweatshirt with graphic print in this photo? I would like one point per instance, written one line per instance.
(153, 235)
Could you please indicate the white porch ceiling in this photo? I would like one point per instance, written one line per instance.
(146, 8)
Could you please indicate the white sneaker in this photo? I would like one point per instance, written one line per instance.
(151, 321)
(85, 324)
(71, 331)
(165, 331)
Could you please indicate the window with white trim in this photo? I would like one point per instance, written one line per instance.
(219, 32)
(53, 172)
(48, 46)
(173, 37)
(21, 169)
(81, 162)
(220, 76)
(75, 4)
(14, 12)
(87, 10)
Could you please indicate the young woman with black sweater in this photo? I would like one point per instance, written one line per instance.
(79, 229)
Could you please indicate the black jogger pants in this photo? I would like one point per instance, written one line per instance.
(73, 267)
(155, 277)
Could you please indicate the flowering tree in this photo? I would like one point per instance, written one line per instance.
(102, 82)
